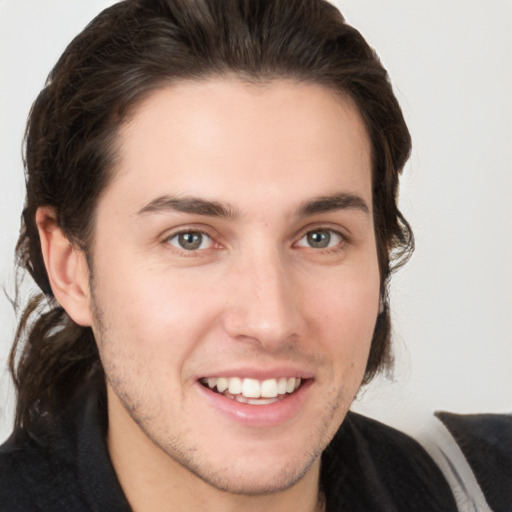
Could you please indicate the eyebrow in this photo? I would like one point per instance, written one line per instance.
(194, 205)
(198, 206)
(334, 202)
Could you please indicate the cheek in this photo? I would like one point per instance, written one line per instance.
(346, 310)
(153, 315)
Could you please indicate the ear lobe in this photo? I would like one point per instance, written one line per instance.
(66, 267)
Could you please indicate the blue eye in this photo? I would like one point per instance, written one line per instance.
(320, 239)
(191, 240)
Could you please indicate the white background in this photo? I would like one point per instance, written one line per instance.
(451, 65)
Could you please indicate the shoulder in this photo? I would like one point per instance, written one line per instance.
(485, 441)
(37, 474)
(380, 468)
(40, 467)
(389, 448)
(62, 464)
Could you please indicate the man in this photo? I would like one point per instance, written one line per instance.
(211, 214)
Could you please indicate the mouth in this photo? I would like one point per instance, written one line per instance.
(253, 391)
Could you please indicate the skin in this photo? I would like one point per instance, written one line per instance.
(256, 296)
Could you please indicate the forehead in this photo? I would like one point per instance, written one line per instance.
(242, 142)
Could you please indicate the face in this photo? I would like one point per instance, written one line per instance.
(235, 279)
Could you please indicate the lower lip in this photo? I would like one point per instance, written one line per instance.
(258, 415)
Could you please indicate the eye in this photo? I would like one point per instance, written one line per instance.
(191, 240)
(320, 239)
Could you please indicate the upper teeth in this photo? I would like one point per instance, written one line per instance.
(253, 388)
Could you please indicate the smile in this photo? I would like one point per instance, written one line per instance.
(253, 391)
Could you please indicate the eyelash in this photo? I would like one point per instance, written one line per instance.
(342, 240)
(189, 252)
(334, 248)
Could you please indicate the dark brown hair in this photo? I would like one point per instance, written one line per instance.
(131, 49)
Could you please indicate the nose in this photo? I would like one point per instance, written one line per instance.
(264, 301)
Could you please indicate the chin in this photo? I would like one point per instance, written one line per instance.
(251, 480)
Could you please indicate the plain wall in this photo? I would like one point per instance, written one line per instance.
(451, 66)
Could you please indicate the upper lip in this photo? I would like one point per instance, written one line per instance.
(258, 374)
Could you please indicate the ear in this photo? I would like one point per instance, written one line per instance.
(66, 267)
